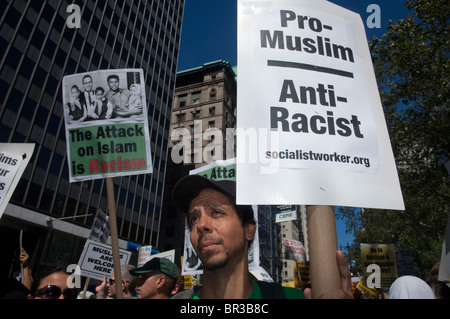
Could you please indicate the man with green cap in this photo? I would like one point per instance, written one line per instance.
(157, 279)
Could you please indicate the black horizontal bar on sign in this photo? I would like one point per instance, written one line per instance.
(310, 67)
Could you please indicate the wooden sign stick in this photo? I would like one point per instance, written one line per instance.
(322, 243)
(114, 236)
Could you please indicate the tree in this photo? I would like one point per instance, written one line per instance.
(411, 62)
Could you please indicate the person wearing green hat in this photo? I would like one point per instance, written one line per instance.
(157, 279)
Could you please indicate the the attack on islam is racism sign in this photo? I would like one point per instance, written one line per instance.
(106, 124)
(310, 126)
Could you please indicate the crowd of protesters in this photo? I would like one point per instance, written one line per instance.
(221, 233)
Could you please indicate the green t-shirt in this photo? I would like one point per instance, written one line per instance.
(291, 293)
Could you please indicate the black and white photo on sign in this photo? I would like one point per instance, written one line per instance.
(103, 95)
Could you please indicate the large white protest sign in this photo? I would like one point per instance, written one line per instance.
(14, 158)
(218, 170)
(96, 260)
(107, 127)
(310, 126)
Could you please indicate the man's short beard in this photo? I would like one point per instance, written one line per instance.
(216, 265)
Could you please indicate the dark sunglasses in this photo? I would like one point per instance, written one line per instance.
(53, 292)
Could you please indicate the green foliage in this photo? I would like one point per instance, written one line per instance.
(411, 62)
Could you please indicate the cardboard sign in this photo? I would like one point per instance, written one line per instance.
(310, 125)
(96, 260)
(107, 129)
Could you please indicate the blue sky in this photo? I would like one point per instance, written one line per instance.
(210, 33)
(210, 27)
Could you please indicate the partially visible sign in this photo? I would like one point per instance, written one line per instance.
(261, 274)
(100, 227)
(14, 158)
(285, 216)
(145, 254)
(294, 250)
(303, 274)
(405, 262)
(382, 255)
(444, 266)
(96, 260)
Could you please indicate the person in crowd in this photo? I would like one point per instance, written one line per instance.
(157, 279)
(410, 287)
(27, 276)
(110, 286)
(441, 289)
(52, 286)
(221, 233)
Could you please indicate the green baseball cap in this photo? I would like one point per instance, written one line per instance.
(162, 264)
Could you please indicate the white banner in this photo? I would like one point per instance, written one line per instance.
(306, 81)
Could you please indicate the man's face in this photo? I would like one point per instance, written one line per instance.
(217, 233)
(87, 83)
(113, 84)
(147, 287)
(111, 284)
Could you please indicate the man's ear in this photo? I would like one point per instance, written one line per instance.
(250, 230)
(160, 281)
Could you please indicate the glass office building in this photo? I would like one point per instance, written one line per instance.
(40, 43)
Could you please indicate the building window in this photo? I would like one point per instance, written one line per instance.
(212, 111)
(196, 98)
(182, 100)
(212, 94)
(211, 124)
(196, 114)
(180, 117)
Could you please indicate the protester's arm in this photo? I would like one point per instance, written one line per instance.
(27, 277)
(100, 290)
(346, 285)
